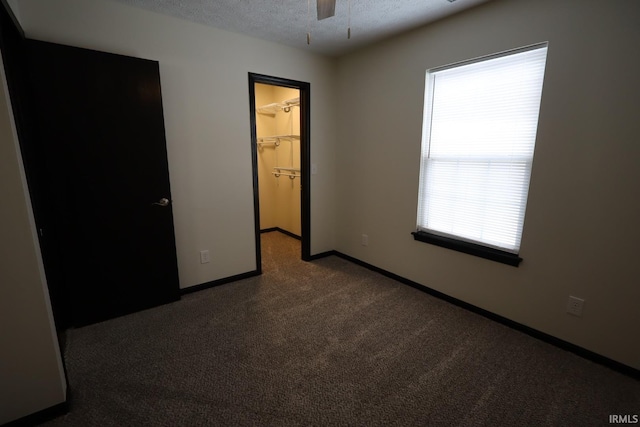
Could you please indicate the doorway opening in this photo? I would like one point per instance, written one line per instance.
(280, 159)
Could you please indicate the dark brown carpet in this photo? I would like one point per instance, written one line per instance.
(327, 343)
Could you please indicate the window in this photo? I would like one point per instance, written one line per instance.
(479, 133)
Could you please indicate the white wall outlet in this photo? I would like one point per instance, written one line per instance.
(365, 240)
(575, 306)
(204, 257)
(314, 169)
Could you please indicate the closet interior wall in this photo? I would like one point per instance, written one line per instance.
(279, 195)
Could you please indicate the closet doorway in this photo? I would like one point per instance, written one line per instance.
(281, 159)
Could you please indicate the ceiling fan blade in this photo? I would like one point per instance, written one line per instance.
(326, 9)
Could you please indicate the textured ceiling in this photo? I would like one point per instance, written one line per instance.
(286, 22)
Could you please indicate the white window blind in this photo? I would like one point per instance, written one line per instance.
(478, 139)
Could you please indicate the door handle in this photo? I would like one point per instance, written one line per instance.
(162, 202)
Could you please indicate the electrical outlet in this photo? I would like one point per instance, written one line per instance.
(204, 257)
(575, 306)
(365, 240)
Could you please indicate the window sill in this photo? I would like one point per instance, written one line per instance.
(468, 248)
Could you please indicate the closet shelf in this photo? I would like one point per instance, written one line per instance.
(292, 173)
(275, 139)
(274, 108)
(264, 142)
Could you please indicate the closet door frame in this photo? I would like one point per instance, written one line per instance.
(305, 160)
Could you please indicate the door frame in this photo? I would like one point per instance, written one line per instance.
(305, 160)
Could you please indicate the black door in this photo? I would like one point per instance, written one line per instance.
(97, 157)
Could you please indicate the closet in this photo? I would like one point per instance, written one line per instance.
(278, 158)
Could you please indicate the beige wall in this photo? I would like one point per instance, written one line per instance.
(279, 196)
(14, 7)
(204, 76)
(266, 126)
(31, 373)
(581, 231)
(288, 200)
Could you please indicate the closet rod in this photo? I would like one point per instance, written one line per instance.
(276, 137)
(290, 175)
(269, 143)
(287, 169)
(293, 102)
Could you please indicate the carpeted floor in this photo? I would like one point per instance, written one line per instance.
(327, 343)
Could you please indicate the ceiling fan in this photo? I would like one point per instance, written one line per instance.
(326, 9)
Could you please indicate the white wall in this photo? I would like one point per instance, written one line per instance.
(31, 373)
(581, 234)
(204, 76)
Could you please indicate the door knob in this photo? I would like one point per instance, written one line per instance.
(162, 202)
